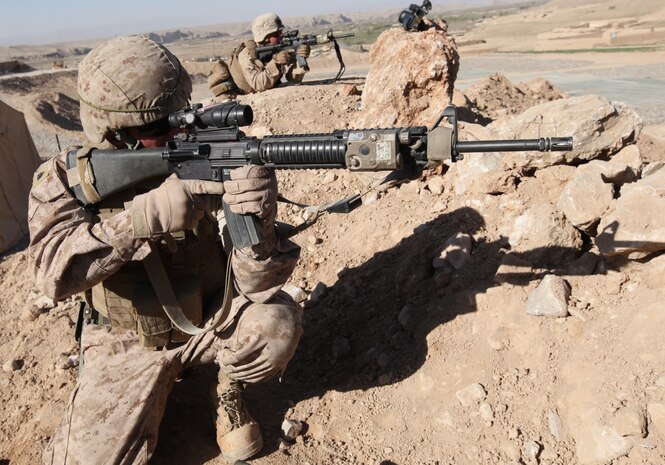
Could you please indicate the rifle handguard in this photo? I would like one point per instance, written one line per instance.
(439, 144)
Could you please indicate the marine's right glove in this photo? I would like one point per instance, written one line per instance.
(303, 51)
(175, 206)
(283, 58)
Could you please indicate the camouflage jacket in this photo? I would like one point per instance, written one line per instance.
(251, 75)
(72, 250)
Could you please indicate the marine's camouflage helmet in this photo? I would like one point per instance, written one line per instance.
(129, 81)
(264, 25)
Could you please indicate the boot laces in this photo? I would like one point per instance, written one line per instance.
(231, 401)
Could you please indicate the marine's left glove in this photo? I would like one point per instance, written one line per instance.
(303, 51)
(176, 205)
(252, 190)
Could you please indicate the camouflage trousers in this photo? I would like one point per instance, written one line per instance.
(114, 413)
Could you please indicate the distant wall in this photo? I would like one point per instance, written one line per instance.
(634, 36)
(10, 66)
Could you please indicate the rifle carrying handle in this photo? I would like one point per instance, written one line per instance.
(245, 230)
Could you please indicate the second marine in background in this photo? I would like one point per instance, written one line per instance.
(246, 73)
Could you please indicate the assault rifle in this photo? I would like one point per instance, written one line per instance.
(291, 41)
(411, 18)
(213, 145)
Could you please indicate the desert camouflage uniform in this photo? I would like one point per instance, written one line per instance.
(251, 75)
(114, 412)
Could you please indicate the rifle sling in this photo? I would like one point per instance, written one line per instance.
(81, 175)
(345, 205)
(162, 286)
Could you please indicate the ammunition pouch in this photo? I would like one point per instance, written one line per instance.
(195, 265)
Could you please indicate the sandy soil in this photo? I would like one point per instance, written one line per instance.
(390, 346)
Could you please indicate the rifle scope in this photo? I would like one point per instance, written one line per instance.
(223, 115)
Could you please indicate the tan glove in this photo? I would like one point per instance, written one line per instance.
(283, 58)
(303, 51)
(176, 205)
(252, 189)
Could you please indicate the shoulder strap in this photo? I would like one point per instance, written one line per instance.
(162, 286)
(80, 175)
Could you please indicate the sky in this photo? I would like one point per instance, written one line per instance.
(33, 22)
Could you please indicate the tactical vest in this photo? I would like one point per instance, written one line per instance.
(196, 270)
(236, 70)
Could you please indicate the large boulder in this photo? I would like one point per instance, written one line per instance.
(600, 128)
(637, 223)
(410, 80)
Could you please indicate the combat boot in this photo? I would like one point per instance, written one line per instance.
(238, 435)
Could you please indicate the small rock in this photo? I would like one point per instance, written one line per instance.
(436, 185)
(499, 339)
(319, 291)
(283, 446)
(371, 198)
(471, 395)
(550, 298)
(329, 178)
(405, 318)
(44, 303)
(656, 412)
(486, 412)
(660, 382)
(384, 379)
(12, 365)
(291, 429)
(555, 426)
(383, 360)
(442, 278)
(513, 434)
(30, 313)
(456, 250)
(340, 347)
(398, 340)
(583, 266)
(532, 450)
(313, 240)
(409, 188)
(65, 362)
(298, 294)
(630, 422)
(351, 89)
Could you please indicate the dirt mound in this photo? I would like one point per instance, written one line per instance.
(497, 96)
(39, 82)
(59, 110)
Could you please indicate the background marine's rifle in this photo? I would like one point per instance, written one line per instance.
(214, 145)
(291, 41)
(411, 18)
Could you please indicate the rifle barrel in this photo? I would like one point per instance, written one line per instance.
(343, 36)
(544, 144)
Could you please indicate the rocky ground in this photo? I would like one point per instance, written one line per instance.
(506, 309)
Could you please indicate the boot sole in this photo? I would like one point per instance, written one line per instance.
(242, 454)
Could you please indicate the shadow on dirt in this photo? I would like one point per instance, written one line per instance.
(358, 337)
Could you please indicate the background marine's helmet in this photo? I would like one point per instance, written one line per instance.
(264, 25)
(129, 81)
